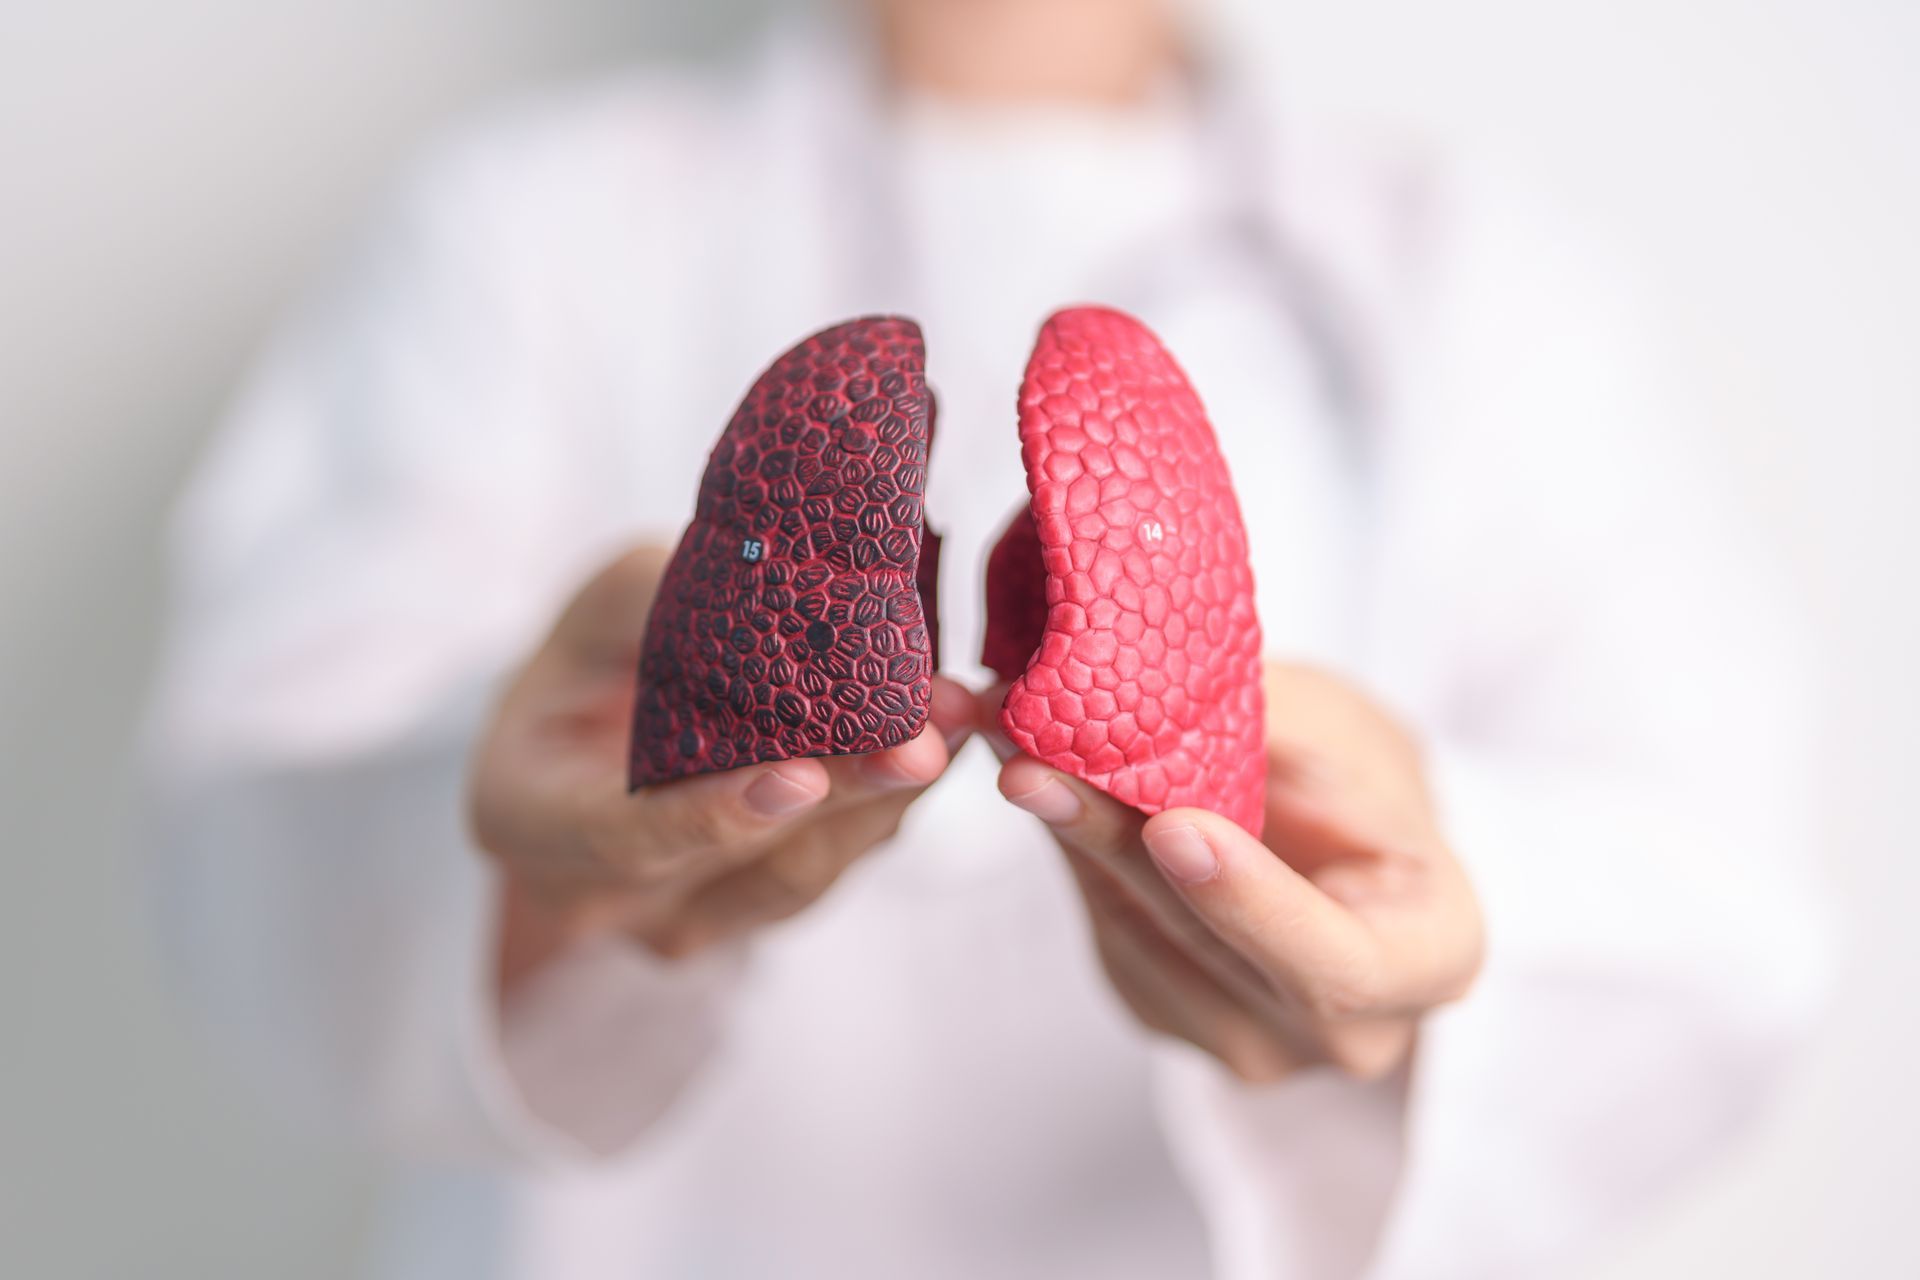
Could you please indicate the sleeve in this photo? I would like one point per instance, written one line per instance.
(393, 514)
(1614, 705)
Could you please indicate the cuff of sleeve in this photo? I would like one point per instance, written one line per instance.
(592, 1049)
(573, 1068)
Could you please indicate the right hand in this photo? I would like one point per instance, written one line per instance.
(685, 864)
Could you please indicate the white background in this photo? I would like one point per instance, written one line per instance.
(171, 174)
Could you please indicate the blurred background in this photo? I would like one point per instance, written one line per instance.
(170, 176)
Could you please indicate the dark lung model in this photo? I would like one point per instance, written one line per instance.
(796, 617)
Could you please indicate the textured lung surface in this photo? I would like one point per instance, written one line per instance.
(1121, 602)
(791, 620)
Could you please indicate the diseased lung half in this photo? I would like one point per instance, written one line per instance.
(795, 616)
(1121, 602)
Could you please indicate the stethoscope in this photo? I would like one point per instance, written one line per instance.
(1237, 239)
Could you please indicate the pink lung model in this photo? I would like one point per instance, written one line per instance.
(1120, 603)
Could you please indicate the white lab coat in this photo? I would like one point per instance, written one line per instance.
(1490, 527)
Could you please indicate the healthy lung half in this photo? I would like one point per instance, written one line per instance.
(1120, 603)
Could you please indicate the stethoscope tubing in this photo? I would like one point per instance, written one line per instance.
(1239, 228)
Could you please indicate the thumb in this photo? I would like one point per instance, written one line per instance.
(603, 624)
(1302, 940)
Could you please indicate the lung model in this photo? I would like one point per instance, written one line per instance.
(1120, 602)
(796, 617)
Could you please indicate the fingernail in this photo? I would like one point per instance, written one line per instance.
(1000, 745)
(884, 773)
(774, 795)
(892, 768)
(1051, 802)
(1184, 854)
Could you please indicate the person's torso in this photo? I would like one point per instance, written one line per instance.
(927, 1074)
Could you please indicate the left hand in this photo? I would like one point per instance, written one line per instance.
(1327, 944)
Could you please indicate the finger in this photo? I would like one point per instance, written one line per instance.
(782, 883)
(1097, 827)
(913, 764)
(1172, 994)
(1092, 825)
(652, 833)
(1311, 947)
(605, 621)
(1315, 814)
(1169, 923)
(985, 707)
(1319, 724)
(952, 712)
(1078, 815)
(659, 832)
(1390, 868)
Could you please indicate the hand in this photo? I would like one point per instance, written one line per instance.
(1324, 945)
(682, 865)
